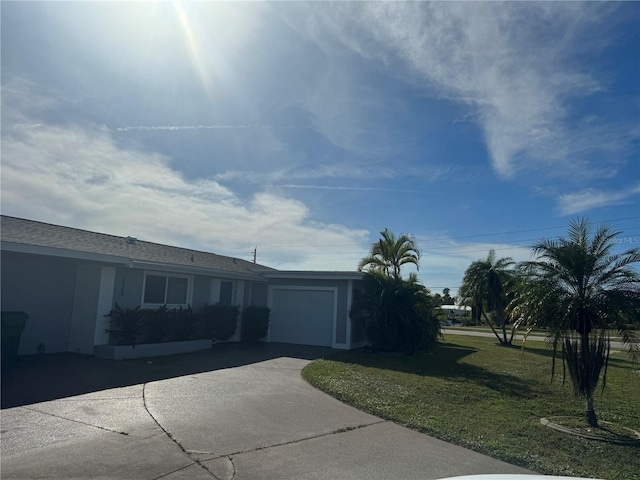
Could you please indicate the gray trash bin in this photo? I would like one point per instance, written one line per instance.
(12, 326)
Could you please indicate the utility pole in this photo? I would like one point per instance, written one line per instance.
(255, 253)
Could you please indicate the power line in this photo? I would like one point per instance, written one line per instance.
(523, 231)
(428, 239)
(449, 249)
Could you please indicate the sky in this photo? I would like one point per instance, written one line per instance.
(304, 129)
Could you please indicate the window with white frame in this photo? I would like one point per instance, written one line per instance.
(169, 289)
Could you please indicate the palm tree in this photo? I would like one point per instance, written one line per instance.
(581, 290)
(395, 314)
(484, 287)
(389, 254)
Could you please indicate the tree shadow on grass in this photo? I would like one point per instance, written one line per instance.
(618, 358)
(442, 362)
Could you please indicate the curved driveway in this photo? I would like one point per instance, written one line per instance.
(232, 412)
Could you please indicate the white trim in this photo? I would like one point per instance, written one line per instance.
(214, 294)
(313, 275)
(122, 352)
(167, 274)
(271, 288)
(186, 270)
(105, 302)
(349, 303)
(238, 293)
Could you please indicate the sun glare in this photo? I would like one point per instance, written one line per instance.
(194, 47)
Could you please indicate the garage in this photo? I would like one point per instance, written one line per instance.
(301, 315)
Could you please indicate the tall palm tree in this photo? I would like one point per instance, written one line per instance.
(389, 254)
(582, 290)
(484, 287)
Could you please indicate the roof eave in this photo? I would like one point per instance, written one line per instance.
(186, 269)
(62, 252)
(313, 275)
(126, 261)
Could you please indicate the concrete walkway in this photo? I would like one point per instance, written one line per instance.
(234, 412)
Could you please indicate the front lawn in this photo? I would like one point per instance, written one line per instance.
(473, 392)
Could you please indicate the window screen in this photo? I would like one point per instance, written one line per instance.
(226, 293)
(166, 289)
(154, 289)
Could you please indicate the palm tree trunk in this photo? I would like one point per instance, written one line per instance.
(491, 325)
(503, 322)
(590, 413)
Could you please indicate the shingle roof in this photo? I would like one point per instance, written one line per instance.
(29, 232)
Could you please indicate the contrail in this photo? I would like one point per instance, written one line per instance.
(204, 127)
(28, 125)
(363, 189)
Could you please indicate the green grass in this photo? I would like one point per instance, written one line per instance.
(473, 392)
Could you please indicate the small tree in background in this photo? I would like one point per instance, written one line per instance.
(446, 298)
(485, 288)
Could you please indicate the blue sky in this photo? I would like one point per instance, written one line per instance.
(306, 128)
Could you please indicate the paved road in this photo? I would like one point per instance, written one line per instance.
(234, 412)
(532, 338)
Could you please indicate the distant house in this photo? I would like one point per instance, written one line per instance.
(455, 313)
(67, 279)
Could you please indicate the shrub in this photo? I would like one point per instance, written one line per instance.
(182, 324)
(128, 325)
(255, 323)
(156, 324)
(219, 322)
(395, 314)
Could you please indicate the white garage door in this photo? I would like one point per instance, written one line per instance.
(302, 316)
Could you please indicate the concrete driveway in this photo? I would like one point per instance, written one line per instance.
(234, 412)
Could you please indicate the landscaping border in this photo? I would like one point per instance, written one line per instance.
(124, 352)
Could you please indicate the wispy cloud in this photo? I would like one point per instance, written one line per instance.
(28, 125)
(592, 198)
(78, 176)
(520, 84)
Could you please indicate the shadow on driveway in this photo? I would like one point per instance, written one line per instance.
(48, 377)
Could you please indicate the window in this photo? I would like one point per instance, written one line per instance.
(165, 289)
(226, 293)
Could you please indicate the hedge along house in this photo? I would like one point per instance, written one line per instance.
(68, 279)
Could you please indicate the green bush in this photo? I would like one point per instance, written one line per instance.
(219, 322)
(128, 325)
(156, 324)
(182, 324)
(255, 323)
(395, 314)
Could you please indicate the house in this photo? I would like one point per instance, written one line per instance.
(455, 313)
(68, 279)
